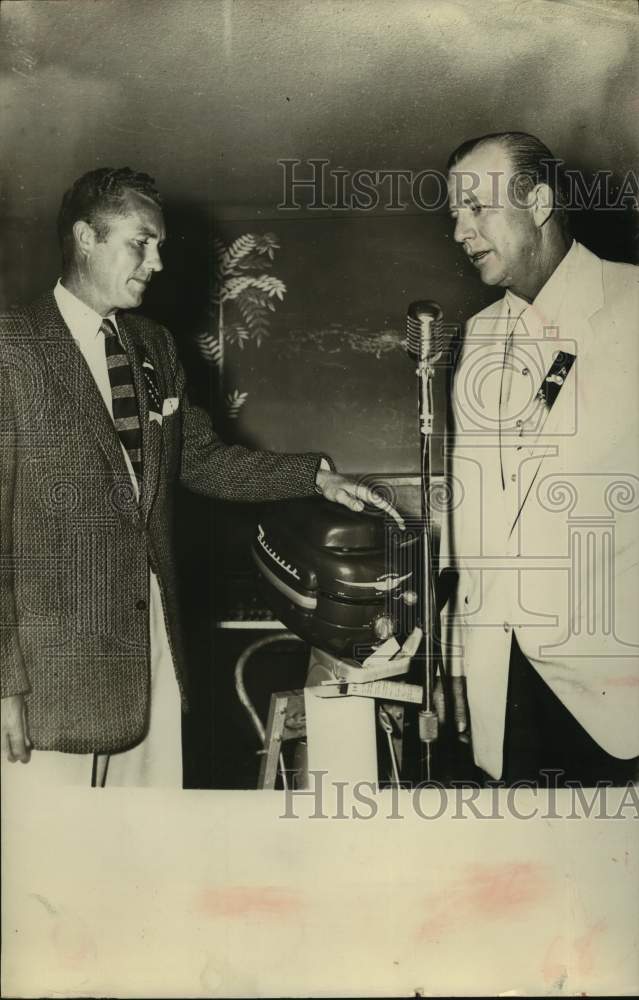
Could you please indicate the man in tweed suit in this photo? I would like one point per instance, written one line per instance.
(93, 672)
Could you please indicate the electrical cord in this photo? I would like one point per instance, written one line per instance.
(242, 693)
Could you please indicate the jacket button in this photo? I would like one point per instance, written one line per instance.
(506, 627)
(141, 604)
(524, 371)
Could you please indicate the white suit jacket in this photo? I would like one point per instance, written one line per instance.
(553, 552)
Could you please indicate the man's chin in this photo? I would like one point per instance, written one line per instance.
(136, 295)
(492, 276)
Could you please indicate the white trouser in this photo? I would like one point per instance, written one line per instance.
(155, 762)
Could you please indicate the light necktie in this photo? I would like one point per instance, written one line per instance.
(509, 360)
(507, 379)
(126, 416)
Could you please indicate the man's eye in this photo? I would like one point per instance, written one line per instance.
(476, 209)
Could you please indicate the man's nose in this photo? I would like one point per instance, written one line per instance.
(153, 260)
(463, 229)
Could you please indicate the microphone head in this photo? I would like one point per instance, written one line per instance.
(425, 338)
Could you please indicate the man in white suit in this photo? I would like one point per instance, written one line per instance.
(543, 527)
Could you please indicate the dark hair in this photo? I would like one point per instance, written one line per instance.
(532, 163)
(96, 195)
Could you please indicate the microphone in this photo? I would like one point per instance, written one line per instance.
(426, 338)
(426, 341)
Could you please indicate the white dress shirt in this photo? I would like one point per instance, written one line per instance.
(84, 325)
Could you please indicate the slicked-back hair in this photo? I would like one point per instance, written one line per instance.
(94, 197)
(532, 163)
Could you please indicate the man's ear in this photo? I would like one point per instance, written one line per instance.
(84, 237)
(541, 201)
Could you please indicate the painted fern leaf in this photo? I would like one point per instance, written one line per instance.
(238, 250)
(210, 348)
(234, 402)
(238, 335)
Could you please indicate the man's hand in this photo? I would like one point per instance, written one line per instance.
(353, 493)
(16, 744)
(459, 706)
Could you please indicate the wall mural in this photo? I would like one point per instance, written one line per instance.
(336, 338)
(245, 297)
(244, 287)
(331, 375)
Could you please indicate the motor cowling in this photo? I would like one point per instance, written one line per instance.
(343, 581)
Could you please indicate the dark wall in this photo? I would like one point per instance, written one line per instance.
(332, 373)
(208, 96)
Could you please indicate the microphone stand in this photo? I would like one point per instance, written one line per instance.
(428, 727)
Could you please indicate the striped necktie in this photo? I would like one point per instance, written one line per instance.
(125, 407)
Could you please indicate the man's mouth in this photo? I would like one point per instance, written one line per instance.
(476, 257)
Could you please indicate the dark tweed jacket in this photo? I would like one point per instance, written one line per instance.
(75, 544)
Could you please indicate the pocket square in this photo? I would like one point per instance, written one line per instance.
(170, 405)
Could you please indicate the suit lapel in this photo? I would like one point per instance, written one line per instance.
(583, 298)
(484, 357)
(66, 362)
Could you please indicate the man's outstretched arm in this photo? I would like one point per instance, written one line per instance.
(233, 472)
